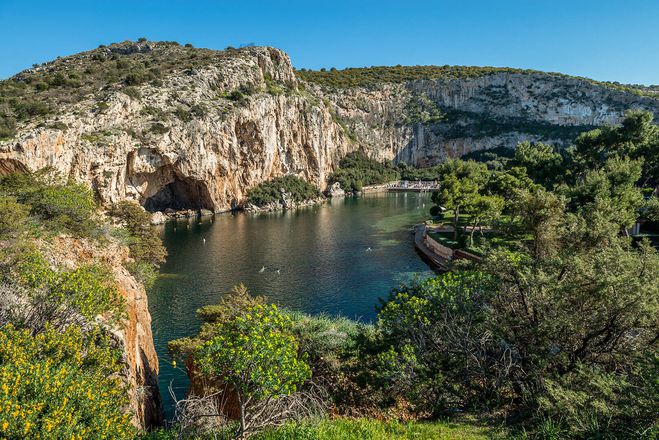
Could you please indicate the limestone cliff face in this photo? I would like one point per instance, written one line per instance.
(198, 141)
(133, 336)
(204, 135)
(478, 113)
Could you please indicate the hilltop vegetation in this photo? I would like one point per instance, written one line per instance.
(376, 75)
(45, 88)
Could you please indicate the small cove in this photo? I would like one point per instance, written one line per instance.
(337, 258)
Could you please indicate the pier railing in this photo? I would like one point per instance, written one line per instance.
(414, 185)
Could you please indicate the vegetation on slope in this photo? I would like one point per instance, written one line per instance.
(376, 75)
(357, 170)
(289, 187)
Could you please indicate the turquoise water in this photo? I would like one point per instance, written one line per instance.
(316, 260)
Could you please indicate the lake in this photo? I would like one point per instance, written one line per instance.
(337, 258)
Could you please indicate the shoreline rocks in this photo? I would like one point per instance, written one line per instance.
(283, 205)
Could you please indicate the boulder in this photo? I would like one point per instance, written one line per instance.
(335, 190)
(158, 218)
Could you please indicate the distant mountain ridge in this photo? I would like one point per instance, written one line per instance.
(178, 127)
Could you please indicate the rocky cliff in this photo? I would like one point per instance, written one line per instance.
(186, 128)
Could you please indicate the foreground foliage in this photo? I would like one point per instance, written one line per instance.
(57, 385)
(60, 372)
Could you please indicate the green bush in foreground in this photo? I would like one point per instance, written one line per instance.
(65, 206)
(257, 356)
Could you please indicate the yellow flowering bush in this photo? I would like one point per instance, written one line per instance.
(60, 385)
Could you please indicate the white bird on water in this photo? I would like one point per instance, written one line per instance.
(204, 240)
(262, 269)
(369, 250)
(278, 271)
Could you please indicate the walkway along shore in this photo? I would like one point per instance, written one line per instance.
(438, 259)
(438, 254)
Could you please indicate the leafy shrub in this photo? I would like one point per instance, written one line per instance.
(183, 114)
(60, 385)
(13, 217)
(589, 403)
(69, 206)
(88, 290)
(132, 92)
(158, 128)
(255, 354)
(434, 363)
(144, 243)
(356, 170)
(296, 189)
(58, 125)
(27, 109)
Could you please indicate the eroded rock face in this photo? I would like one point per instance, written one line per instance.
(204, 136)
(189, 144)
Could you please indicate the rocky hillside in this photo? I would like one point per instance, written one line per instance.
(185, 128)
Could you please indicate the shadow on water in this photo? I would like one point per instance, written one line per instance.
(316, 260)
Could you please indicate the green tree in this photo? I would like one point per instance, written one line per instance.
(540, 212)
(456, 194)
(484, 209)
(610, 191)
(637, 137)
(257, 356)
(651, 209)
(542, 161)
(506, 183)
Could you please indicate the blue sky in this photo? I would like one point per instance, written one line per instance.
(605, 40)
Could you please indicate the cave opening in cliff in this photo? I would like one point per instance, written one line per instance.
(182, 193)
